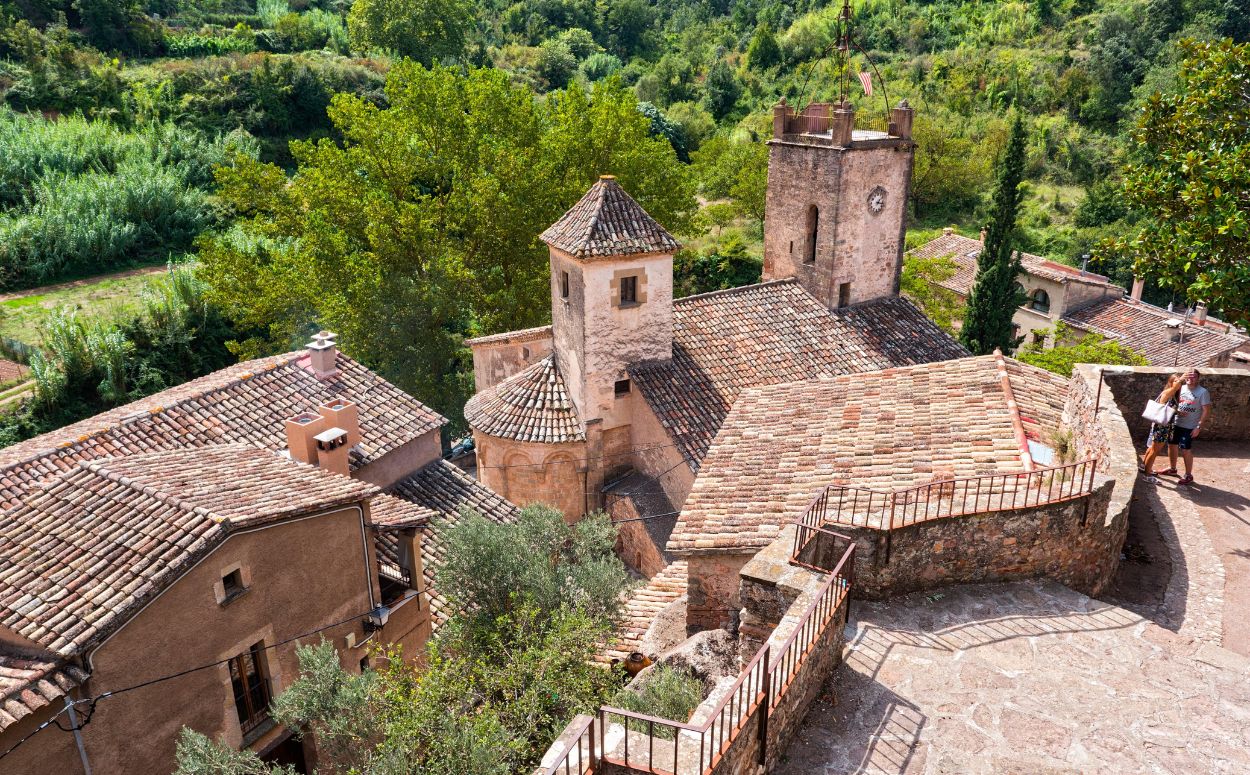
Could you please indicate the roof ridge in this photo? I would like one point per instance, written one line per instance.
(740, 288)
(1022, 439)
(150, 411)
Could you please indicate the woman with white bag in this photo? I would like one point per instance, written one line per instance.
(1162, 414)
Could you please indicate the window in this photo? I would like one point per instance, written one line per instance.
(844, 294)
(232, 584)
(1039, 301)
(251, 687)
(813, 228)
(622, 387)
(564, 285)
(629, 290)
(364, 663)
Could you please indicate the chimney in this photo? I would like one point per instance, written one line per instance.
(324, 355)
(983, 233)
(947, 231)
(341, 413)
(301, 431)
(1139, 284)
(1200, 314)
(332, 451)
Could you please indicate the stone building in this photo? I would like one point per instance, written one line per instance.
(620, 398)
(216, 525)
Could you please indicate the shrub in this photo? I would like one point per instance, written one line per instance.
(666, 692)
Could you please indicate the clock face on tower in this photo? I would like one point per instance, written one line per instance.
(876, 200)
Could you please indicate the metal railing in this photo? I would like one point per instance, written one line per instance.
(889, 510)
(759, 687)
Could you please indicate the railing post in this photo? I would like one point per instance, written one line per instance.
(765, 707)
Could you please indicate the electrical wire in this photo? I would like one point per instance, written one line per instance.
(92, 701)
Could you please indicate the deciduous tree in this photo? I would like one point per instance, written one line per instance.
(1190, 179)
(425, 30)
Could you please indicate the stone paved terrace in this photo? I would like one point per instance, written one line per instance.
(1028, 677)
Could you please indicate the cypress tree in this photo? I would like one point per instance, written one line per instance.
(995, 292)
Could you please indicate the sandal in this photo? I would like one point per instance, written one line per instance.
(1186, 479)
(1169, 472)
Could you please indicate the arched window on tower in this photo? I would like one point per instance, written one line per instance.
(1039, 301)
(813, 227)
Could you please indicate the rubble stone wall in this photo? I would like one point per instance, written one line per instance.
(1229, 389)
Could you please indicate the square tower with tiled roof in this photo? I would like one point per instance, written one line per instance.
(836, 203)
(611, 297)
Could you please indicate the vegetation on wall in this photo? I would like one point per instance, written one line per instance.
(1071, 348)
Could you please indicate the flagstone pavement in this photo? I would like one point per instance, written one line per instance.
(1028, 677)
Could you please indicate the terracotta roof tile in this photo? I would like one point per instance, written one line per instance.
(1139, 326)
(90, 548)
(523, 335)
(531, 405)
(964, 251)
(445, 490)
(884, 430)
(641, 608)
(606, 221)
(727, 341)
(246, 403)
(28, 683)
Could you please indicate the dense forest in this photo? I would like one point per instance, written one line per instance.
(249, 137)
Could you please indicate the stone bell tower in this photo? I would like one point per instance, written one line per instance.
(837, 201)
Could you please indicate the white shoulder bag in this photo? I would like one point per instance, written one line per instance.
(1157, 413)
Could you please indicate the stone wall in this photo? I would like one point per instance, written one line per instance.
(1131, 387)
(1070, 542)
(635, 545)
(528, 472)
(495, 358)
(713, 590)
(810, 180)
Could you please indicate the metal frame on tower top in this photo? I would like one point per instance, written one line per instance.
(841, 49)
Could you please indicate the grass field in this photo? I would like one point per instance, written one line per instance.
(106, 299)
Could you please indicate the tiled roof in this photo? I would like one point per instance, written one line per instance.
(964, 251)
(641, 608)
(387, 511)
(523, 335)
(246, 403)
(531, 405)
(444, 489)
(1139, 326)
(92, 547)
(608, 222)
(726, 341)
(28, 683)
(884, 430)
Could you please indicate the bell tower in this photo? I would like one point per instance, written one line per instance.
(836, 202)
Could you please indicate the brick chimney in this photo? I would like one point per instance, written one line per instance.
(341, 413)
(1139, 284)
(324, 353)
(1200, 314)
(332, 448)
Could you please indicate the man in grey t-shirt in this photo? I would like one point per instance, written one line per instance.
(1194, 405)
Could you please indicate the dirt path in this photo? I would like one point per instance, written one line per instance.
(146, 270)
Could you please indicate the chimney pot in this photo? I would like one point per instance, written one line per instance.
(1200, 314)
(1139, 284)
(947, 231)
(984, 232)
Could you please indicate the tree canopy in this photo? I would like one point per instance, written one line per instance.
(427, 31)
(1190, 180)
(1070, 349)
(421, 226)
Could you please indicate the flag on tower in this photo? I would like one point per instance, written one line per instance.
(865, 80)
